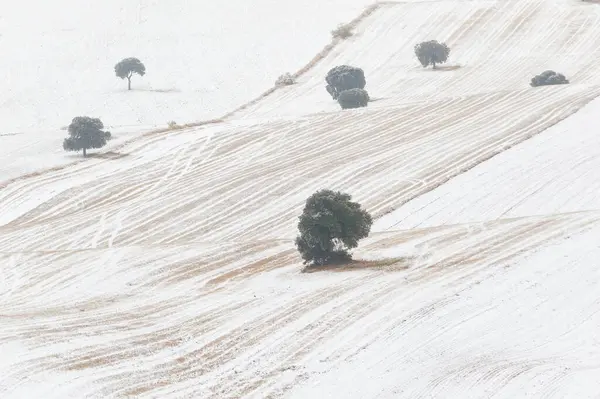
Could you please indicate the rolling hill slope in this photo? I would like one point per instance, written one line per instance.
(496, 47)
(166, 267)
(202, 60)
(552, 173)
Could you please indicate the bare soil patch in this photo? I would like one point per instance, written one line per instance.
(108, 155)
(444, 68)
(401, 263)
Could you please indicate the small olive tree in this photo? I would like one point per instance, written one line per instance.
(548, 78)
(127, 67)
(432, 53)
(329, 226)
(353, 98)
(343, 31)
(285, 80)
(85, 133)
(344, 77)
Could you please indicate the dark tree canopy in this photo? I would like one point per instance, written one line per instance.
(344, 77)
(127, 67)
(432, 53)
(329, 226)
(85, 133)
(547, 78)
(353, 98)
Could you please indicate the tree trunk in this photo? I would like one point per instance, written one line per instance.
(129, 83)
(84, 153)
(433, 64)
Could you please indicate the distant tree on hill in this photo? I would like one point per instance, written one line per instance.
(432, 53)
(353, 98)
(85, 133)
(344, 77)
(343, 31)
(127, 67)
(547, 78)
(285, 80)
(329, 226)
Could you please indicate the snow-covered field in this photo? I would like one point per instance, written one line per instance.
(556, 172)
(496, 48)
(165, 267)
(202, 59)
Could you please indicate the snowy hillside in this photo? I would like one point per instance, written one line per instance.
(164, 266)
(552, 173)
(202, 59)
(496, 48)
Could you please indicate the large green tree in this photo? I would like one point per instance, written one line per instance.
(344, 77)
(432, 53)
(329, 226)
(85, 133)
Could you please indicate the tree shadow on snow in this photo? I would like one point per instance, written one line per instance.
(401, 263)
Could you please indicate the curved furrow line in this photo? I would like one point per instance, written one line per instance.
(458, 167)
(58, 175)
(461, 165)
(364, 154)
(367, 142)
(187, 188)
(490, 52)
(405, 356)
(287, 350)
(152, 168)
(496, 374)
(299, 342)
(455, 277)
(137, 343)
(520, 17)
(152, 309)
(220, 349)
(505, 245)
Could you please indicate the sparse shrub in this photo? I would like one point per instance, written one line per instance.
(127, 67)
(547, 78)
(432, 53)
(344, 77)
(85, 133)
(285, 80)
(343, 31)
(353, 98)
(329, 226)
(172, 125)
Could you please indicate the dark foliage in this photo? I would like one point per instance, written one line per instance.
(85, 133)
(329, 226)
(432, 53)
(353, 98)
(344, 77)
(547, 78)
(127, 67)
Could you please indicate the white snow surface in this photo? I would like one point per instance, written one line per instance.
(164, 266)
